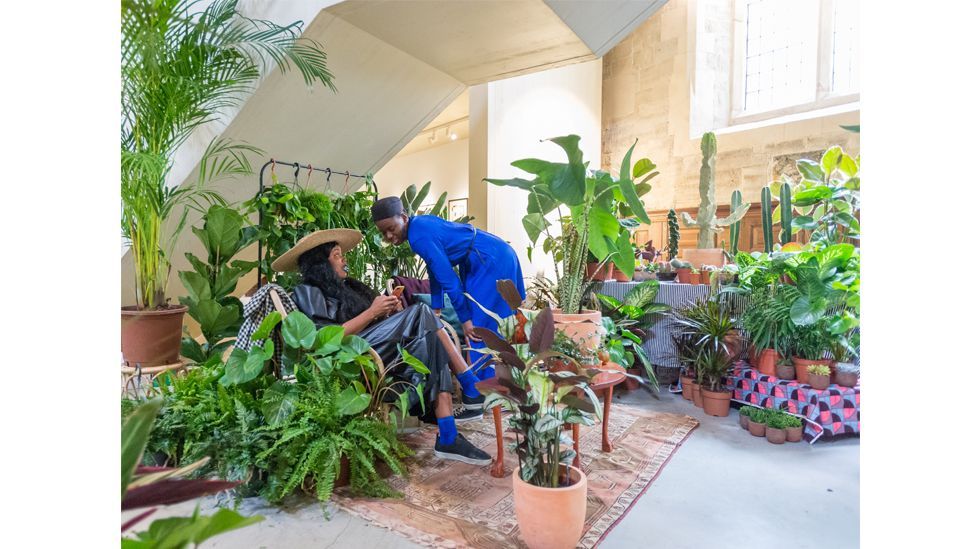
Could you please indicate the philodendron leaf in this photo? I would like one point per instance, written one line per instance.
(278, 402)
(242, 367)
(298, 330)
(805, 312)
(534, 225)
(267, 325)
(329, 339)
(135, 434)
(413, 361)
(351, 402)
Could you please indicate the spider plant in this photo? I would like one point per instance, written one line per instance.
(181, 68)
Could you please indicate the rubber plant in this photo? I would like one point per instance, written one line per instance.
(180, 69)
(594, 201)
(706, 222)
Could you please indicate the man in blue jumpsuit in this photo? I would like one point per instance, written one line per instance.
(482, 259)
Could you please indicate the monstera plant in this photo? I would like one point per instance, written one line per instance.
(596, 212)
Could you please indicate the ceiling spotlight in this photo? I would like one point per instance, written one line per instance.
(452, 135)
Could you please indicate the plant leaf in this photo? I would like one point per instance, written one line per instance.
(543, 332)
(135, 434)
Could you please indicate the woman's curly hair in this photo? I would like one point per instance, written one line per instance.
(354, 297)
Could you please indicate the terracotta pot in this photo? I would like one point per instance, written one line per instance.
(696, 395)
(801, 365)
(584, 327)
(743, 420)
(606, 273)
(632, 384)
(152, 338)
(767, 362)
(794, 434)
(819, 382)
(620, 276)
(775, 436)
(550, 518)
(686, 387)
(716, 403)
(685, 277)
(786, 371)
(757, 429)
(846, 379)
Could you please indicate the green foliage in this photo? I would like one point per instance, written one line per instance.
(673, 234)
(180, 69)
(791, 421)
(211, 282)
(818, 370)
(786, 214)
(708, 226)
(829, 198)
(735, 227)
(777, 420)
(179, 532)
(601, 213)
(749, 411)
(767, 219)
(707, 330)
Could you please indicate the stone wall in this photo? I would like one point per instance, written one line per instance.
(662, 90)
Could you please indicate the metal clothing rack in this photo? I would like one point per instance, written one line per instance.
(298, 168)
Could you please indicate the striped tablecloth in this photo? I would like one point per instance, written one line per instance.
(659, 346)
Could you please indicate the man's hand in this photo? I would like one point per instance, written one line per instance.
(469, 331)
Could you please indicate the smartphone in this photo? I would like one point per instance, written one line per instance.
(397, 291)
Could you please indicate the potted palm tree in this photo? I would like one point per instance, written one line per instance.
(548, 492)
(592, 220)
(180, 69)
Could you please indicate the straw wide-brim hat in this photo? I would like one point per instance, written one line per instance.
(346, 238)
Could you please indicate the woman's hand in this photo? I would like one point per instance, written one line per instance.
(469, 331)
(384, 306)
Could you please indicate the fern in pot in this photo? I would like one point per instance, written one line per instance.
(595, 213)
(180, 69)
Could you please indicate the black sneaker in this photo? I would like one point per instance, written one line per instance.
(473, 403)
(462, 415)
(461, 450)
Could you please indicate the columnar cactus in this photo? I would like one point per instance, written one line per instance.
(673, 234)
(786, 214)
(735, 227)
(708, 225)
(767, 219)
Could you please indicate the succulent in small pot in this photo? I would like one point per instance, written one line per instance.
(757, 422)
(794, 429)
(776, 427)
(785, 369)
(687, 274)
(819, 375)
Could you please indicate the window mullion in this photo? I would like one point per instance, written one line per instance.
(825, 44)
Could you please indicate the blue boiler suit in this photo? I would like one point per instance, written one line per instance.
(482, 260)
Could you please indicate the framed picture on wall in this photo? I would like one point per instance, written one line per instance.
(457, 208)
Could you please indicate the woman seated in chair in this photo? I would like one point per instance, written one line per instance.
(327, 295)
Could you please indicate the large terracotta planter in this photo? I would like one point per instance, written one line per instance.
(801, 365)
(550, 518)
(686, 387)
(605, 273)
(767, 362)
(584, 328)
(794, 434)
(696, 395)
(775, 436)
(716, 403)
(152, 338)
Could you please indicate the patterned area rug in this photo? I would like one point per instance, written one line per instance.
(450, 504)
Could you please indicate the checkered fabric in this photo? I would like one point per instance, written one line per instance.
(259, 306)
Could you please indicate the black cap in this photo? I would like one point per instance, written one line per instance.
(387, 207)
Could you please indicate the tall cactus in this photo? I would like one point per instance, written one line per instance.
(786, 214)
(708, 225)
(673, 234)
(767, 219)
(735, 227)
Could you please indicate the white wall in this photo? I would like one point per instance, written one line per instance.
(521, 112)
(446, 167)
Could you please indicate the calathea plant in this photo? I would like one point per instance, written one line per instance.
(542, 401)
(600, 211)
(210, 284)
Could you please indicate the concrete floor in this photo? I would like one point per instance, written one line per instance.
(722, 489)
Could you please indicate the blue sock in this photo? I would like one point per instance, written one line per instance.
(467, 379)
(447, 429)
(487, 372)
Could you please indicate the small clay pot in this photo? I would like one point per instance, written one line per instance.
(847, 379)
(767, 362)
(819, 382)
(757, 429)
(685, 276)
(686, 387)
(775, 436)
(604, 273)
(801, 365)
(716, 403)
(794, 434)
(743, 420)
(786, 371)
(696, 394)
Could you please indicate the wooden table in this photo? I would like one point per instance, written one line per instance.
(602, 384)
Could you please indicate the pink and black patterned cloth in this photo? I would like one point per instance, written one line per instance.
(833, 411)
